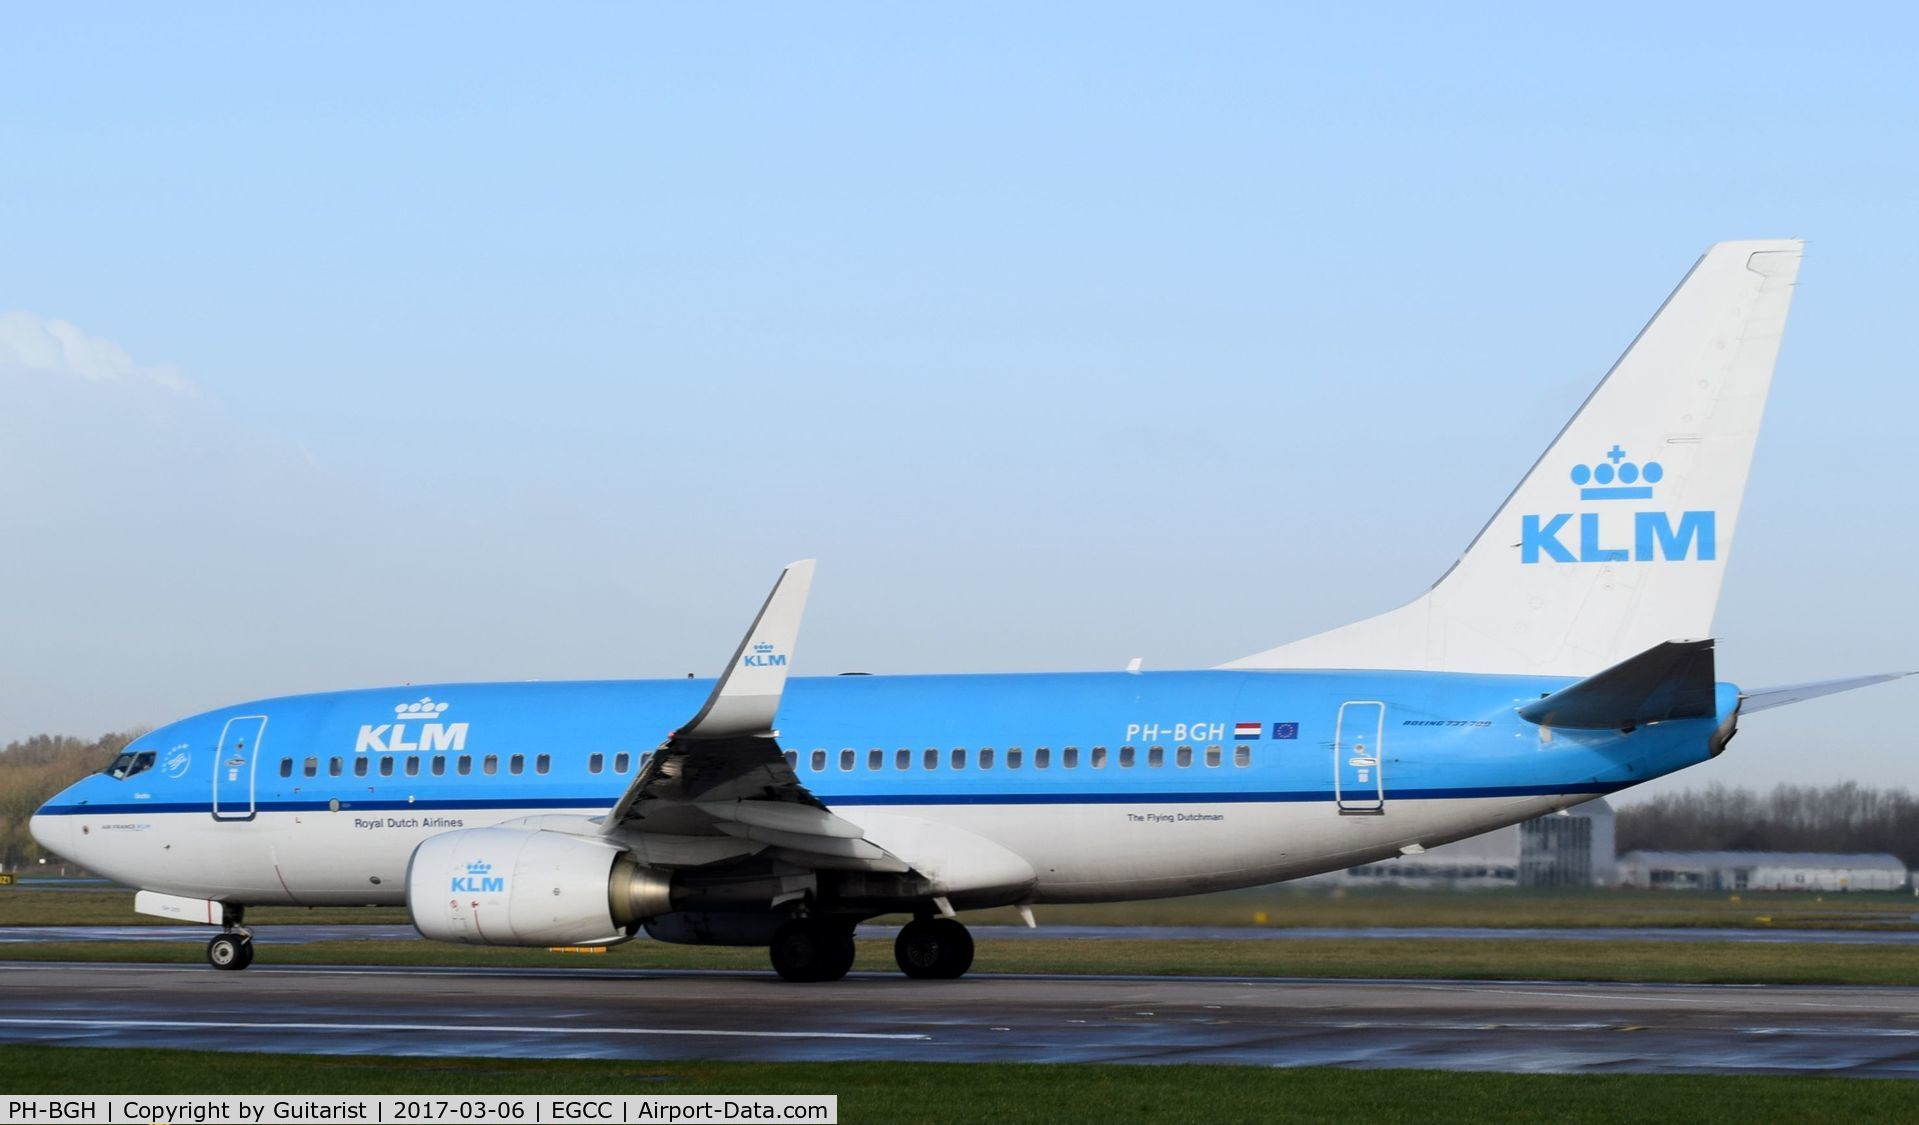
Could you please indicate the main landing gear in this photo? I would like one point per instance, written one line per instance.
(812, 949)
(933, 949)
(815, 948)
(232, 950)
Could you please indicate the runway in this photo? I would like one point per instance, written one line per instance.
(301, 934)
(643, 1014)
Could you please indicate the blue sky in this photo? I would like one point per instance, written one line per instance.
(435, 342)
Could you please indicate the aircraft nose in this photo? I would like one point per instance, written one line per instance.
(54, 833)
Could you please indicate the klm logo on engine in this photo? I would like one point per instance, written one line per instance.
(436, 736)
(1651, 536)
(763, 656)
(478, 880)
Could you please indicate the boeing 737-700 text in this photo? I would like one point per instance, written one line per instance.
(1563, 656)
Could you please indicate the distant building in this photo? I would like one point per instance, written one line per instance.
(1565, 849)
(1761, 871)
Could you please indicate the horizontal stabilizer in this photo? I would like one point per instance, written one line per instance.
(1767, 698)
(1673, 680)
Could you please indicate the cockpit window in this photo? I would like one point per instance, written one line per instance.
(128, 764)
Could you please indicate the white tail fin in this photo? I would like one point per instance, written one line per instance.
(1618, 538)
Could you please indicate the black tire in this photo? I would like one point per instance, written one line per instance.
(933, 949)
(811, 950)
(230, 952)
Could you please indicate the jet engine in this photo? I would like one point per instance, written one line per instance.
(524, 886)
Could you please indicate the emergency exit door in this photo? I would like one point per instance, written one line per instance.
(1359, 785)
(234, 763)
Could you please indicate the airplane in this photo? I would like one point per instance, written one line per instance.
(1565, 655)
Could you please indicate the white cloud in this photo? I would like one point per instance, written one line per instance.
(59, 348)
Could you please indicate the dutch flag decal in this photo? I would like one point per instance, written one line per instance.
(1245, 732)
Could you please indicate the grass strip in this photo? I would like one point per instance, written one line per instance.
(1001, 1092)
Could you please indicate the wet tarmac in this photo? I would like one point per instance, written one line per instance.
(304, 934)
(643, 1014)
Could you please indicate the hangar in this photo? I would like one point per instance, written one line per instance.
(1761, 871)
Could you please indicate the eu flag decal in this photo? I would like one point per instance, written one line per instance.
(1286, 731)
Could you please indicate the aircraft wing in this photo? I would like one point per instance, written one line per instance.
(720, 787)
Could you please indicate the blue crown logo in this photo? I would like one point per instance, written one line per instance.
(478, 867)
(1616, 478)
(762, 647)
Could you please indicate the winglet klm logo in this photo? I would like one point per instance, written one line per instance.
(436, 735)
(1655, 538)
(763, 656)
(479, 879)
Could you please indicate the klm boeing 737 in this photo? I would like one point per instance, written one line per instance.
(1563, 656)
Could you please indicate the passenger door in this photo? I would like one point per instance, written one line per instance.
(1359, 785)
(235, 761)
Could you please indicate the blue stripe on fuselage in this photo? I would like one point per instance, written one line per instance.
(1446, 736)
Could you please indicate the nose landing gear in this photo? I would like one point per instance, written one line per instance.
(232, 950)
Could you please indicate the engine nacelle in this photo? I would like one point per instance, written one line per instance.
(523, 886)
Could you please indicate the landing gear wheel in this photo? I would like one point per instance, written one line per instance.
(934, 949)
(811, 949)
(230, 951)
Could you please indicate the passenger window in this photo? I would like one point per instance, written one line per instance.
(932, 759)
(595, 762)
(543, 763)
(412, 765)
(793, 759)
(439, 765)
(1069, 758)
(1013, 756)
(1183, 757)
(876, 759)
(386, 767)
(986, 758)
(645, 758)
(1242, 756)
(846, 758)
(516, 764)
(959, 758)
(621, 761)
(359, 767)
(1042, 757)
(334, 767)
(466, 764)
(490, 764)
(1212, 757)
(819, 761)
(286, 767)
(903, 760)
(312, 767)
(1099, 758)
(1126, 757)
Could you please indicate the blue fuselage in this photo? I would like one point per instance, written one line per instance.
(1401, 757)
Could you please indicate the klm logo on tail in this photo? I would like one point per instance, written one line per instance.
(1570, 537)
(763, 656)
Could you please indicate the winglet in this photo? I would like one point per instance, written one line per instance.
(747, 696)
